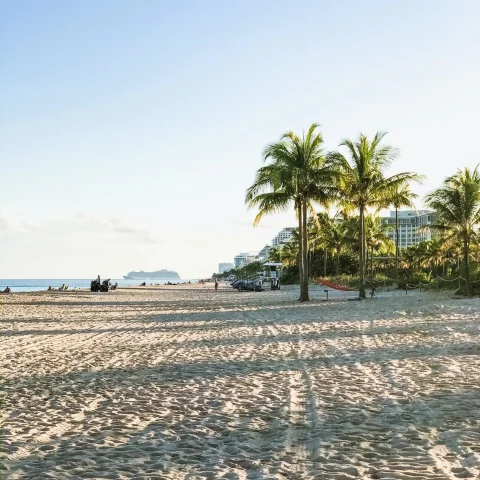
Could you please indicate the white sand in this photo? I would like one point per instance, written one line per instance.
(183, 383)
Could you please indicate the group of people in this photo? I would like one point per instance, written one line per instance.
(98, 285)
(63, 287)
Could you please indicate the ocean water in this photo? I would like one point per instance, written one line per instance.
(35, 285)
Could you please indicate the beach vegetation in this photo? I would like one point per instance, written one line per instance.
(457, 210)
(352, 244)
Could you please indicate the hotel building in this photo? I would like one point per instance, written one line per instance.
(225, 267)
(409, 226)
(283, 237)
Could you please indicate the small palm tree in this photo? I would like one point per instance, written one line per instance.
(275, 255)
(411, 256)
(457, 211)
(376, 236)
(402, 197)
(319, 237)
(364, 185)
(434, 254)
(333, 234)
(450, 251)
(290, 251)
(297, 174)
(475, 252)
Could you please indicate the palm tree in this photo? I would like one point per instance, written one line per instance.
(413, 255)
(376, 237)
(364, 184)
(451, 250)
(297, 174)
(290, 251)
(333, 234)
(457, 210)
(434, 254)
(403, 197)
(275, 255)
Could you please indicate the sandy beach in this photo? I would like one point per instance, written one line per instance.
(186, 383)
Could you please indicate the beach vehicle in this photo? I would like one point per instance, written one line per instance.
(247, 286)
(96, 286)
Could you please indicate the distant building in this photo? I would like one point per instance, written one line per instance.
(243, 259)
(409, 226)
(283, 237)
(263, 253)
(225, 267)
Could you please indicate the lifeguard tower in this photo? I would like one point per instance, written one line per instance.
(272, 274)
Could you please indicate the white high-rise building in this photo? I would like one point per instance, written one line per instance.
(409, 226)
(263, 253)
(243, 259)
(283, 237)
(225, 267)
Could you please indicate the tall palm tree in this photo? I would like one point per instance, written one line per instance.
(402, 197)
(364, 184)
(298, 174)
(457, 210)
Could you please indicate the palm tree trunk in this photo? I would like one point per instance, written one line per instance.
(396, 242)
(304, 297)
(466, 264)
(371, 263)
(309, 263)
(307, 246)
(362, 254)
(300, 247)
(325, 254)
(337, 269)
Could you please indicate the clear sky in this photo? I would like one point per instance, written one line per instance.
(129, 130)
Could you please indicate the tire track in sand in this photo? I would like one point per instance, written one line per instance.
(300, 443)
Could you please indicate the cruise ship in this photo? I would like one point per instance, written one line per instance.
(158, 275)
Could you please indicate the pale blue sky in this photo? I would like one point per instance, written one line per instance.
(129, 130)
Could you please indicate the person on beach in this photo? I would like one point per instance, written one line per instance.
(7, 290)
(216, 285)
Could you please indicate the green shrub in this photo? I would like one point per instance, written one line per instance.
(415, 279)
(290, 275)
